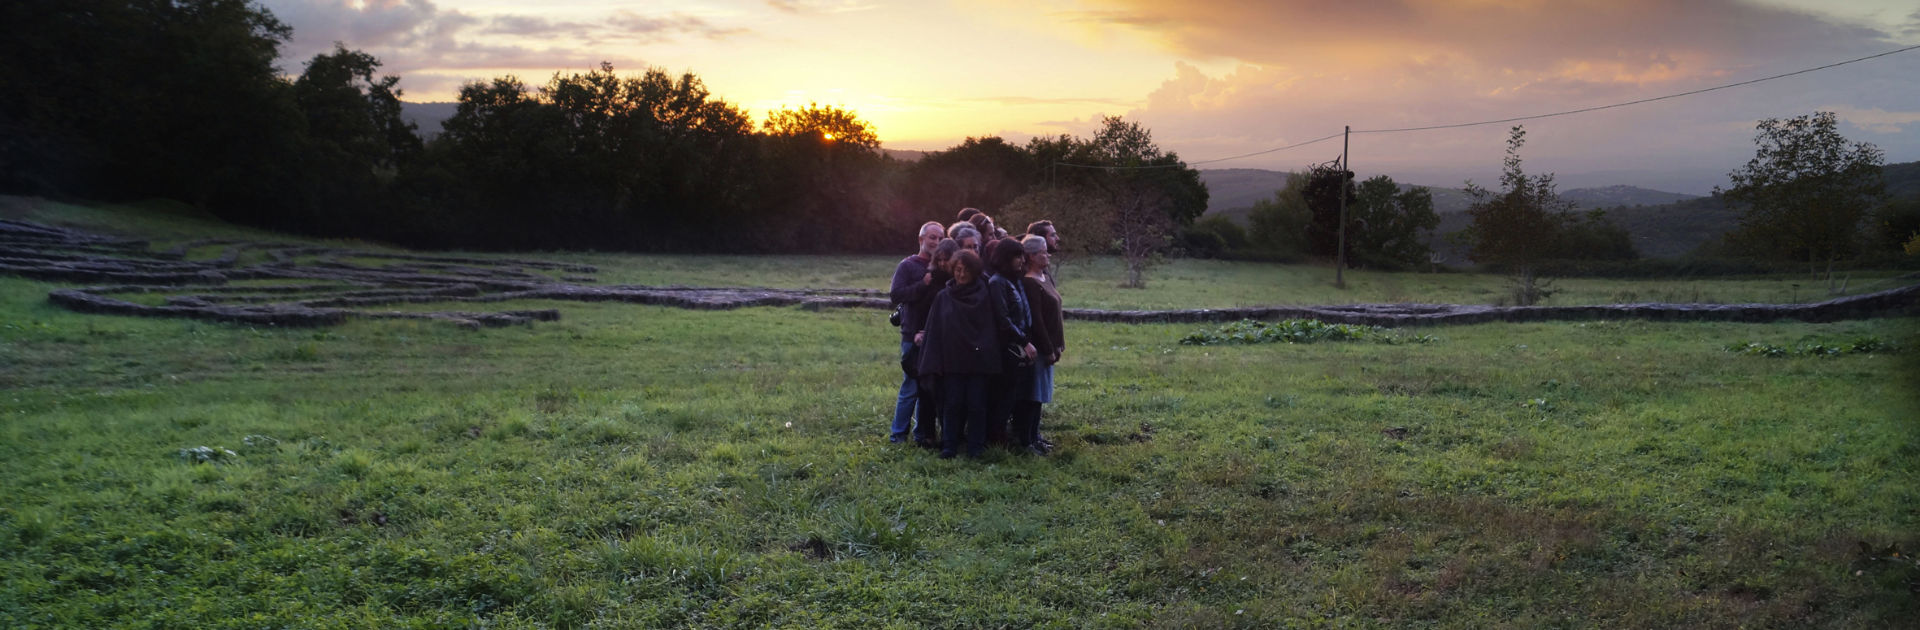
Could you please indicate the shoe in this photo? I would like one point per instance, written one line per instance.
(948, 454)
(1043, 446)
(927, 444)
(1036, 450)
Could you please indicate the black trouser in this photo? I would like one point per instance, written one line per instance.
(963, 414)
(1009, 387)
(927, 427)
(1026, 422)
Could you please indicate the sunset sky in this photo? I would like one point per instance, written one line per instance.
(1215, 78)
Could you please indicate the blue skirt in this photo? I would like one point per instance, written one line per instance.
(1042, 383)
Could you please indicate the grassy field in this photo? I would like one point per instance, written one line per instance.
(1088, 282)
(636, 466)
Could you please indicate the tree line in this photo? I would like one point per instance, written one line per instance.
(182, 99)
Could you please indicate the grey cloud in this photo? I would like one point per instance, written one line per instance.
(657, 27)
(1380, 64)
(446, 47)
(1036, 100)
(1534, 36)
(531, 26)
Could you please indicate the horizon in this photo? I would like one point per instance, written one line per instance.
(1218, 78)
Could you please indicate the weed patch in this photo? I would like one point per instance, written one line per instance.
(1248, 331)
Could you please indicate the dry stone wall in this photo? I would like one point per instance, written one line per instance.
(299, 285)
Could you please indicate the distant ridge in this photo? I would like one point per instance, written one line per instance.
(428, 116)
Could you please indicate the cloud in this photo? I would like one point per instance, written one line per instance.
(532, 26)
(1628, 39)
(821, 6)
(1299, 71)
(1016, 101)
(428, 45)
(1874, 119)
(659, 27)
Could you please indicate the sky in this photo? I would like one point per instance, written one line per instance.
(1216, 79)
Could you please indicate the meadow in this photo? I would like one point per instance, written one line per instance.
(635, 466)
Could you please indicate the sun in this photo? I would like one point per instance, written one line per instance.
(828, 136)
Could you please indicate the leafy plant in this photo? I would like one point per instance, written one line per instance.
(1249, 331)
(205, 454)
(1862, 345)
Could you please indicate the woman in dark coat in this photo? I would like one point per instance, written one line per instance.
(1012, 319)
(1049, 337)
(961, 351)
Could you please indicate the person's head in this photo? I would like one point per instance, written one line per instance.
(1044, 228)
(943, 254)
(983, 223)
(1037, 256)
(967, 213)
(966, 266)
(967, 235)
(1007, 259)
(930, 235)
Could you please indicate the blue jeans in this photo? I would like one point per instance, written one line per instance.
(911, 399)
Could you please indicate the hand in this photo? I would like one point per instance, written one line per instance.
(929, 278)
(1031, 353)
(919, 338)
(1053, 360)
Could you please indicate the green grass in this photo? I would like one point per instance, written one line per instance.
(1085, 282)
(634, 466)
(1094, 283)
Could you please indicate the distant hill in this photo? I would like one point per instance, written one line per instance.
(428, 116)
(1903, 179)
(1611, 196)
(904, 155)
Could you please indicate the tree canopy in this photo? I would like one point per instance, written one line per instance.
(1805, 190)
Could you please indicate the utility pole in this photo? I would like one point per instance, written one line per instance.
(1346, 172)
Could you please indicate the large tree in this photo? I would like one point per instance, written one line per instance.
(356, 144)
(986, 173)
(1385, 224)
(147, 98)
(1147, 193)
(1805, 190)
(828, 183)
(1516, 227)
(1278, 226)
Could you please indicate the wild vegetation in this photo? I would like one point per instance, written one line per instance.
(647, 466)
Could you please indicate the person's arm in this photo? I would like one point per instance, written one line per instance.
(1003, 304)
(908, 287)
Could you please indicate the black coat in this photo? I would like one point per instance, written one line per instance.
(961, 337)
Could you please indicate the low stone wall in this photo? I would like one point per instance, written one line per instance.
(308, 286)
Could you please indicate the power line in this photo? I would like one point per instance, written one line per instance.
(1183, 165)
(1514, 119)
(1644, 100)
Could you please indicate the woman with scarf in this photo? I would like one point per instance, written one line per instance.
(961, 352)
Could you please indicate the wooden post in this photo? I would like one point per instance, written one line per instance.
(1340, 260)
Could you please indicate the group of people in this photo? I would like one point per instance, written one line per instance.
(980, 331)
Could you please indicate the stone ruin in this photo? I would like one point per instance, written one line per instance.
(302, 286)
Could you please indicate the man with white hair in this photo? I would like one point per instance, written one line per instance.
(912, 293)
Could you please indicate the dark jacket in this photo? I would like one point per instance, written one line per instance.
(1049, 328)
(911, 290)
(960, 333)
(1012, 316)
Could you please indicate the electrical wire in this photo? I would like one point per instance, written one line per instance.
(1644, 100)
(1514, 119)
